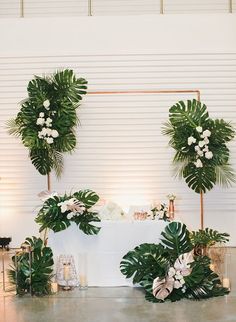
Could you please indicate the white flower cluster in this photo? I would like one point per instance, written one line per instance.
(161, 210)
(46, 133)
(72, 205)
(178, 278)
(201, 146)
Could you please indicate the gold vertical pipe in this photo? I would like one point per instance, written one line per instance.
(230, 6)
(90, 8)
(3, 271)
(201, 193)
(22, 11)
(49, 181)
(161, 7)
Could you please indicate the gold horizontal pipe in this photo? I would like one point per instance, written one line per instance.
(167, 91)
(146, 92)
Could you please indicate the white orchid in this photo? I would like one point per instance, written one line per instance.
(54, 133)
(199, 129)
(48, 132)
(40, 135)
(200, 153)
(198, 163)
(206, 140)
(191, 140)
(44, 131)
(171, 272)
(49, 122)
(63, 205)
(206, 149)
(41, 114)
(209, 155)
(177, 284)
(70, 215)
(40, 121)
(197, 148)
(49, 140)
(206, 133)
(46, 104)
(182, 281)
(201, 144)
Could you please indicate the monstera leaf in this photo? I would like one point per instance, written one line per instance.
(176, 239)
(84, 221)
(88, 197)
(193, 113)
(199, 179)
(47, 119)
(144, 261)
(208, 237)
(58, 212)
(201, 155)
(39, 271)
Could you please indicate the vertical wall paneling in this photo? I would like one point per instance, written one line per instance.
(60, 8)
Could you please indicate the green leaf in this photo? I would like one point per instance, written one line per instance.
(42, 160)
(199, 179)
(225, 175)
(207, 237)
(84, 221)
(88, 197)
(146, 260)
(176, 239)
(41, 269)
(193, 114)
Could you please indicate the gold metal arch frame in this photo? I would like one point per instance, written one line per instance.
(183, 91)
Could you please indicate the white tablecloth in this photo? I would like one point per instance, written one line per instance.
(105, 250)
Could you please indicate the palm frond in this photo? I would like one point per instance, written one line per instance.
(225, 175)
(58, 163)
(13, 128)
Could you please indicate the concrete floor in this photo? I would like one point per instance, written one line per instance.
(120, 304)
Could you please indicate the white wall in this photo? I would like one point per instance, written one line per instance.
(121, 152)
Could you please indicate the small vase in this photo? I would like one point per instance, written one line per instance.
(171, 210)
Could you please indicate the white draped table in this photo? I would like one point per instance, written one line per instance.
(105, 250)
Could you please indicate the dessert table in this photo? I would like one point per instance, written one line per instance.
(105, 250)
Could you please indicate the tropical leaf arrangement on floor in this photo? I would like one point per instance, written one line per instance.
(170, 270)
(202, 155)
(32, 277)
(47, 119)
(58, 212)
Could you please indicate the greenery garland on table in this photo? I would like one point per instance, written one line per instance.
(202, 156)
(169, 270)
(47, 119)
(58, 212)
(32, 276)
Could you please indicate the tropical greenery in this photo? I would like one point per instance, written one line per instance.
(47, 119)
(202, 155)
(208, 237)
(35, 276)
(58, 212)
(169, 270)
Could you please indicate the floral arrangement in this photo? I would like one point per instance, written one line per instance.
(202, 156)
(58, 212)
(160, 212)
(170, 270)
(32, 274)
(47, 119)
